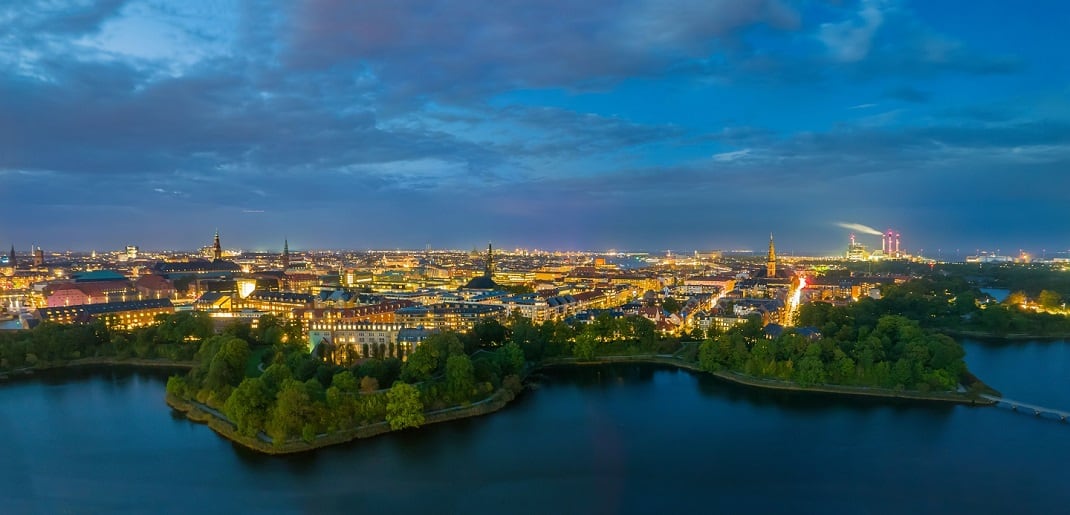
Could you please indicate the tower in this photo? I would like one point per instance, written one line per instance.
(285, 254)
(217, 251)
(770, 262)
(38, 257)
(489, 271)
(11, 259)
(890, 244)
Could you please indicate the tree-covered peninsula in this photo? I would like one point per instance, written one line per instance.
(282, 392)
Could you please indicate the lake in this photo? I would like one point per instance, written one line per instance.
(605, 439)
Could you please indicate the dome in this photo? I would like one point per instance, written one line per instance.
(482, 282)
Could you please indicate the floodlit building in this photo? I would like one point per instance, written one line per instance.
(116, 315)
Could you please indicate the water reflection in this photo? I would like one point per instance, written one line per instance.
(619, 438)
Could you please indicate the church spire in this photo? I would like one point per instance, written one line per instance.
(770, 262)
(217, 250)
(285, 254)
(489, 271)
(11, 258)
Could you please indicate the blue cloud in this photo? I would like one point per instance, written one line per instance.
(642, 123)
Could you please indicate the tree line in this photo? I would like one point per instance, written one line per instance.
(949, 303)
(174, 337)
(893, 353)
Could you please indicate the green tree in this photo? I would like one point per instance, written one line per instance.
(430, 356)
(1016, 298)
(810, 371)
(176, 385)
(403, 406)
(345, 381)
(671, 305)
(423, 362)
(248, 406)
(368, 384)
(1049, 299)
(227, 366)
(487, 333)
(293, 409)
(586, 346)
(511, 357)
(460, 377)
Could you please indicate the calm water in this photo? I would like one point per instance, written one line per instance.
(635, 439)
(997, 293)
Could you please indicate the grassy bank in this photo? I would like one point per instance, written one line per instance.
(262, 443)
(774, 384)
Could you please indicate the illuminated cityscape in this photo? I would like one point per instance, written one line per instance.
(468, 256)
(341, 298)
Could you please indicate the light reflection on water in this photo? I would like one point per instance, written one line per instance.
(628, 438)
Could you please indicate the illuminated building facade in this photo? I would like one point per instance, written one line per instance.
(358, 340)
(449, 316)
(856, 251)
(152, 286)
(116, 315)
(98, 287)
(278, 302)
(770, 260)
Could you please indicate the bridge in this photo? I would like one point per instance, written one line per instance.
(1026, 407)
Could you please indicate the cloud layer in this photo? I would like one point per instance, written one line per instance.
(608, 123)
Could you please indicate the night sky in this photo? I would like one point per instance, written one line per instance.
(562, 124)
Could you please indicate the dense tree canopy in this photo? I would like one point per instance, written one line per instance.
(403, 406)
(896, 353)
(176, 337)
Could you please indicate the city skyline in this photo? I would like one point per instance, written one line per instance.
(607, 125)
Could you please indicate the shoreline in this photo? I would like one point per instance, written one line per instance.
(1006, 338)
(94, 362)
(197, 412)
(215, 420)
(774, 384)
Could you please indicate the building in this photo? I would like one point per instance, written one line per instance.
(770, 261)
(709, 284)
(214, 301)
(217, 250)
(890, 245)
(357, 340)
(449, 315)
(382, 313)
(278, 302)
(485, 281)
(77, 294)
(153, 286)
(411, 337)
(722, 323)
(97, 287)
(116, 315)
(199, 268)
(856, 251)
